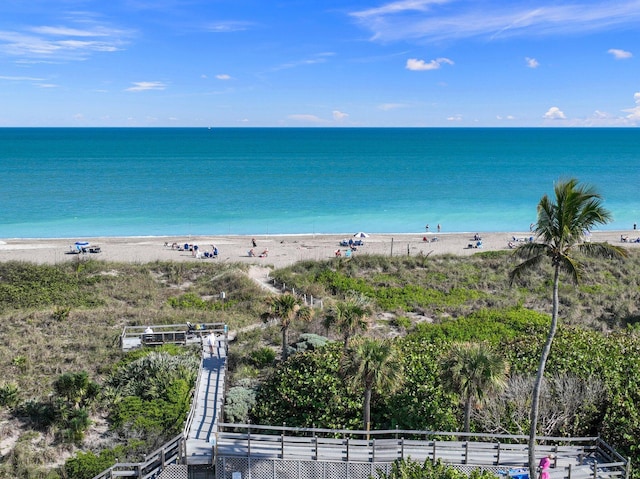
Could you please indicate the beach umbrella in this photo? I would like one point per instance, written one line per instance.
(360, 234)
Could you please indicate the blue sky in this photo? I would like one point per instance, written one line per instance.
(319, 63)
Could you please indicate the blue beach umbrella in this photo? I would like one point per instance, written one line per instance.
(81, 244)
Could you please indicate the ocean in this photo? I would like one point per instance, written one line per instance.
(87, 182)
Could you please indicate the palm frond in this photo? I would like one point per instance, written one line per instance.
(569, 265)
(603, 250)
(524, 267)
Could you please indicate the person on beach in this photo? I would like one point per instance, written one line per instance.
(438, 227)
(427, 227)
(251, 253)
(253, 243)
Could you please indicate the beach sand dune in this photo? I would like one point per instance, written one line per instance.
(282, 250)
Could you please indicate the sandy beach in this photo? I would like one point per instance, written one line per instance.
(282, 250)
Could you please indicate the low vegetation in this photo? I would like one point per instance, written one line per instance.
(71, 400)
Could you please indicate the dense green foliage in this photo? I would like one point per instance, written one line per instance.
(239, 401)
(408, 469)
(151, 396)
(86, 465)
(307, 390)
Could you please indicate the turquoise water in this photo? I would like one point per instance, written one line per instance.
(66, 182)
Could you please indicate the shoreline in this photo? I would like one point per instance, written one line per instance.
(283, 250)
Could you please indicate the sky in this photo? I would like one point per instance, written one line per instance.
(326, 63)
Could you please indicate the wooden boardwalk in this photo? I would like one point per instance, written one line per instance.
(575, 458)
(207, 406)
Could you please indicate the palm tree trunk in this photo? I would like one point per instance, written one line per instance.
(535, 401)
(284, 343)
(467, 414)
(367, 409)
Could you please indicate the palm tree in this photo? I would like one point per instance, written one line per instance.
(375, 365)
(350, 317)
(288, 308)
(559, 232)
(473, 370)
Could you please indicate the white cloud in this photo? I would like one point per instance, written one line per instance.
(317, 58)
(554, 113)
(147, 85)
(619, 54)
(391, 106)
(339, 116)
(223, 76)
(306, 118)
(399, 7)
(436, 20)
(227, 27)
(69, 32)
(414, 64)
(508, 117)
(634, 113)
(62, 42)
(532, 62)
(454, 118)
(10, 78)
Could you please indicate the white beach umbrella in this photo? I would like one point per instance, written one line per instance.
(360, 234)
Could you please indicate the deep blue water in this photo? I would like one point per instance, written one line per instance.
(70, 182)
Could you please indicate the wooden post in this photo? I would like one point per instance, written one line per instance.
(391, 247)
(315, 440)
(348, 439)
(498, 455)
(466, 452)
(627, 468)
(569, 472)
(373, 450)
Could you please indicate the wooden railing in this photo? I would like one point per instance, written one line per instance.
(583, 457)
(170, 453)
(136, 336)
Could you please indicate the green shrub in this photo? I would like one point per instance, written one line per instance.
(85, 465)
(263, 357)
(409, 469)
(238, 403)
(61, 313)
(401, 322)
(9, 395)
(310, 342)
